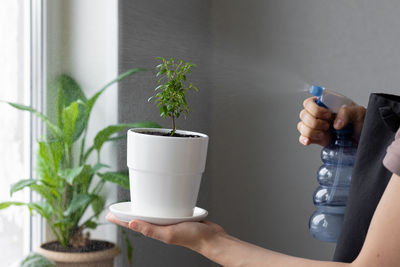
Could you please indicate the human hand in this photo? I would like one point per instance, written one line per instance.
(193, 235)
(316, 120)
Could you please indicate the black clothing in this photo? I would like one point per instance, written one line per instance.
(369, 177)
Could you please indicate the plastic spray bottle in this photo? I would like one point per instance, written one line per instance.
(334, 176)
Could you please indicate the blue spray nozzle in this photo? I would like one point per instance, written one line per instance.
(316, 90)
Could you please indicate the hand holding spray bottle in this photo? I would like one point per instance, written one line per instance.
(334, 176)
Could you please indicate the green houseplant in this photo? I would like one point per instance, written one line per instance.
(65, 179)
(172, 88)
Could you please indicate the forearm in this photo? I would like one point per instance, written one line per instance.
(231, 252)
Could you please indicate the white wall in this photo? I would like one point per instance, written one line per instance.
(82, 41)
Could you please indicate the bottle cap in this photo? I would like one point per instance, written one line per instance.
(316, 90)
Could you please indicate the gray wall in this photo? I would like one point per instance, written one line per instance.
(254, 59)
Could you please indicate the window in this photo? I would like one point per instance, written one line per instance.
(17, 19)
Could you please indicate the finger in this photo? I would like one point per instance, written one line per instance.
(310, 136)
(311, 133)
(304, 140)
(343, 118)
(359, 123)
(313, 122)
(350, 114)
(162, 233)
(354, 114)
(322, 142)
(111, 218)
(315, 110)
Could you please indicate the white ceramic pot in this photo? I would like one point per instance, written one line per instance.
(165, 172)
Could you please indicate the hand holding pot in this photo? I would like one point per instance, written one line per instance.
(316, 120)
(193, 235)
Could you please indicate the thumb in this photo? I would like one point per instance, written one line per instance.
(343, 117)
(350, 114)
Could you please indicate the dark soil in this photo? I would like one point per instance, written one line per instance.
(169, 134)
(92, 246)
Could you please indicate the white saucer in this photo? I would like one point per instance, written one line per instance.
(124, 213)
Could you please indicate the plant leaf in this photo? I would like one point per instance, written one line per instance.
(119, 137)
(6, 204)
(91, 224)
(105, 134)
(49, 159)
(69, 117)
(36, 260)
(21, 185)
(69, 175)
(85, 177)
(87, 153)
(69, 91)
(48, 193)
(98, 205)
(129, 248)
(120, 178)
(90, 150)
(77, 202)
(43, 208)
(52, 128)
(98, 166)
(60, 222)
(45, 153)
(57, 152)
(44, 173)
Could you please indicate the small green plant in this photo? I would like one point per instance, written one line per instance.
(65, 178)
(35, 259)
(172, 88)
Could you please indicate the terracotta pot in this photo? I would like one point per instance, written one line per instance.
(102, 258)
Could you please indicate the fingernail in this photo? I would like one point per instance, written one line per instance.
(134, 226)
(338, 123)
(302, 140)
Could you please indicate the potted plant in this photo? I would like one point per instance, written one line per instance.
(166, 165)
(66, 180)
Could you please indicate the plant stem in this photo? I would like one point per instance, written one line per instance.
(56, 233)
(81, 156)
(87, 154)
(65, 195)
(173, 124)
(90, 218)
(98, 187)
(67, 165)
